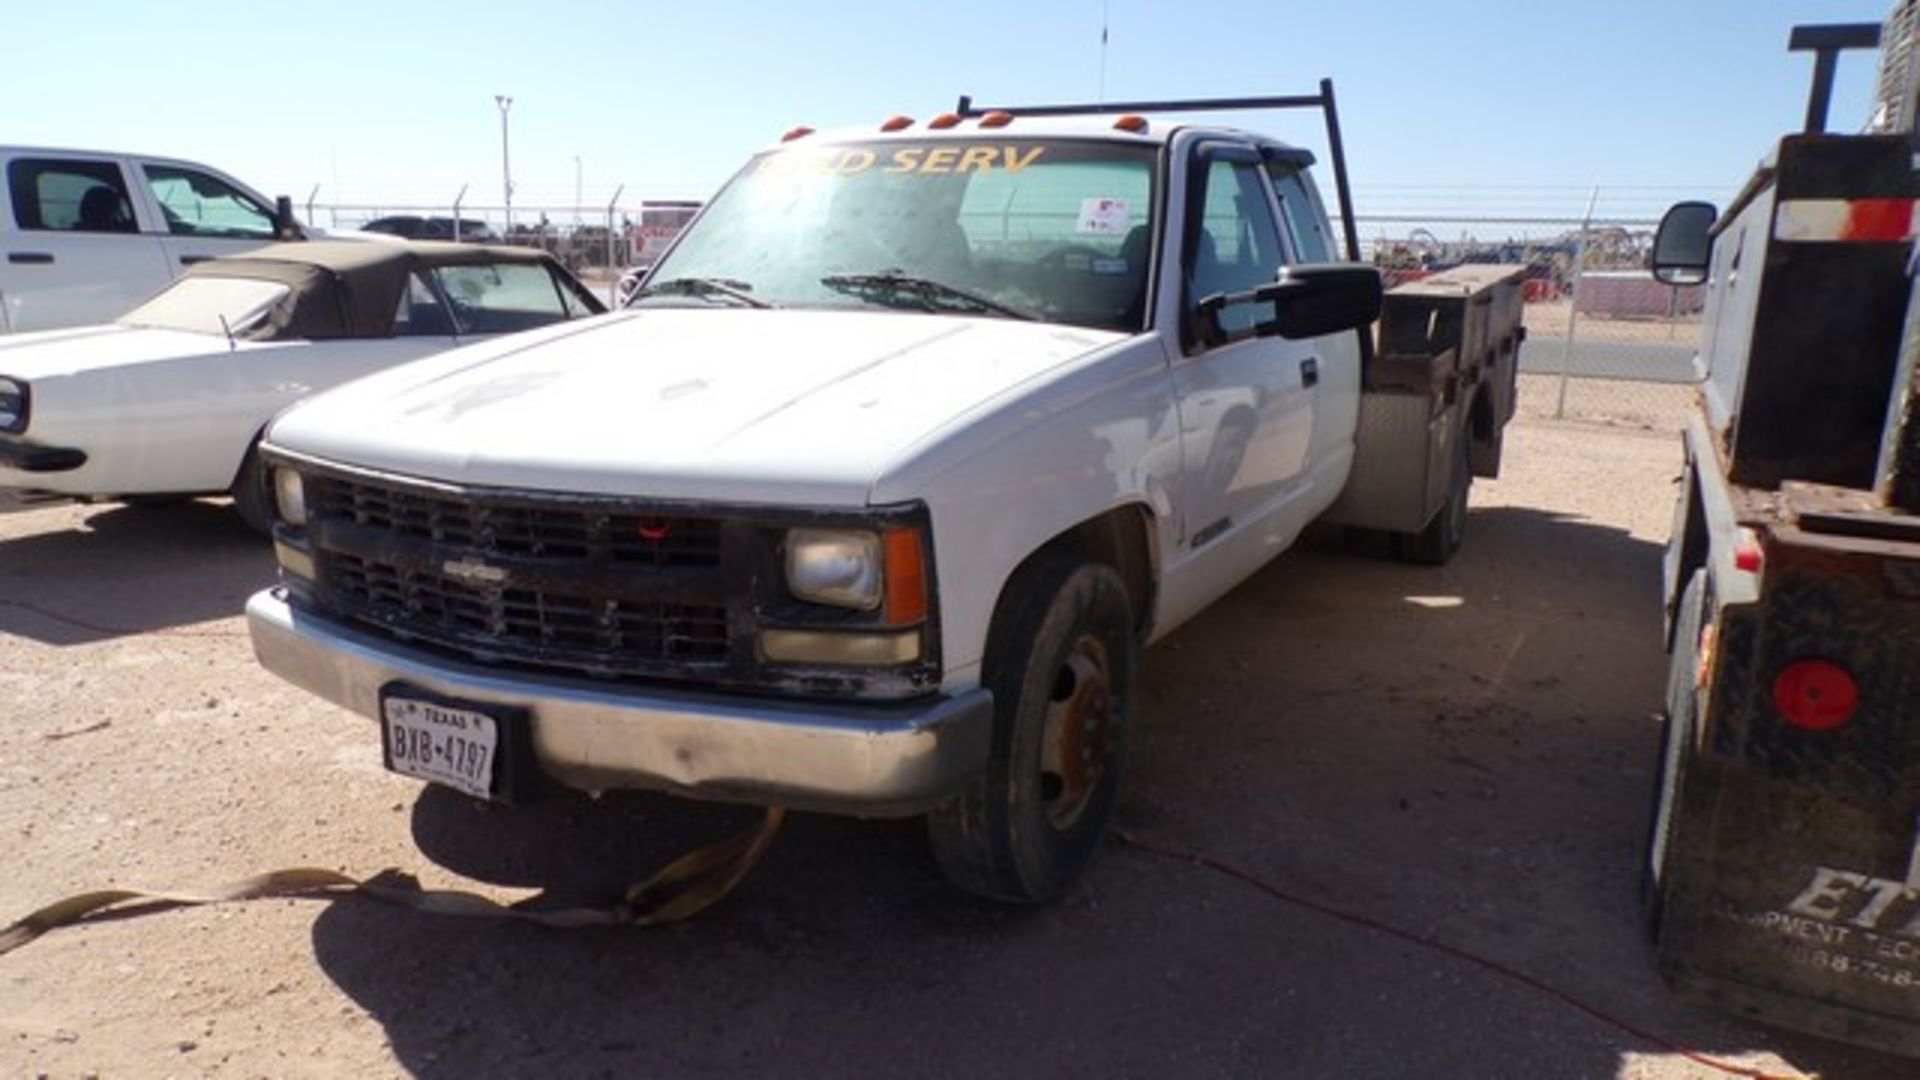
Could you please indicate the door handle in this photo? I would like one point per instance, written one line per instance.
(25, 258)
(189, 260)
(1310, 371)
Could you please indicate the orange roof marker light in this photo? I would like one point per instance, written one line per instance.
(998, 118)
(800, 132)
(896, 122)
(944, 121)
(1130, 122)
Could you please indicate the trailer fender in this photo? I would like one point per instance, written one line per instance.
(1675, 749)
(1686, 545)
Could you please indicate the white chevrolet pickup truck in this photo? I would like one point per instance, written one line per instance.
(869, 500)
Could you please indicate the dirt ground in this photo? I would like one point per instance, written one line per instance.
(1463, 754)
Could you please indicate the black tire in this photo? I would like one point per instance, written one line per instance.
(1437, 544)
(1060, 662)
(1670, 769)
(251, 498)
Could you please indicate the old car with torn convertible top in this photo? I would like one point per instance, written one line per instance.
(867, 501)
(170, 399)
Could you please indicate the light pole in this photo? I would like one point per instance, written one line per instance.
(506, 170)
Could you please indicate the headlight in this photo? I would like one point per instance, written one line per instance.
(833, 566)
(290, 496)
(13, 406)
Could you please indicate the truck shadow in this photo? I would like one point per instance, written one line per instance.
(98, 574)
(1461, 753)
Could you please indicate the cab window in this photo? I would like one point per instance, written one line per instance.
(70, 196)
(197, 204)
(1302, 213)
(1236, 243)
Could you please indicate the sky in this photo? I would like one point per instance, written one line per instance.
(1474, 107)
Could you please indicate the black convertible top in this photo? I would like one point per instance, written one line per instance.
(352, 289)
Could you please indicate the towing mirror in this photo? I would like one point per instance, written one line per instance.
(1683, 247)
(284, 227)
(1308, 301)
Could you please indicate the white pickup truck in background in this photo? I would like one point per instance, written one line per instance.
(868, 502)
(85, 235)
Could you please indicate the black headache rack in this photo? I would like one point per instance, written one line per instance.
(1323, 101)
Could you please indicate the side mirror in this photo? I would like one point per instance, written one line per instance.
(1308, 301)
(284, 227)
(1683, 248)
(1312, 301)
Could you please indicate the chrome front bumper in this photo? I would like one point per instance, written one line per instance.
(840, 757)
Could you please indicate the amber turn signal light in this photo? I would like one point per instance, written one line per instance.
(906, 577)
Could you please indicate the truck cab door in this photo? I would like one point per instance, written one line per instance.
(74, 253)
(1336, 405)
(206, 216)
(1246, 407)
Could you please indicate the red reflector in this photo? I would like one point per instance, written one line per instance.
(800, 132)
(943, 121)
(995, 119)
(654, 531)
(1885, 221)
(1748, 555)
(1817, 695)
(895, 123)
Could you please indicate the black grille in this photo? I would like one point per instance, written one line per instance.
(574, 630)
(544, 532)
(559, 584)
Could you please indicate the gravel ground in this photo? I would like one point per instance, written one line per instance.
(1460, 753)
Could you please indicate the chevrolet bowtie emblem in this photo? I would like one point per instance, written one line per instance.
(473, 572)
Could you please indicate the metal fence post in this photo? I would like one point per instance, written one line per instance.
(1573, 306)
(457, 200)
(613, 285)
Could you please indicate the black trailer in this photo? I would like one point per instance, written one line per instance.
(1783, 863)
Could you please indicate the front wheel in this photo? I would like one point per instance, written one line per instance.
(251, 499)
(1060, 663)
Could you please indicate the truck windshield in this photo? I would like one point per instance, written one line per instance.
(1055, 230)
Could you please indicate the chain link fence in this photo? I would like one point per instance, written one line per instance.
(1605, 342)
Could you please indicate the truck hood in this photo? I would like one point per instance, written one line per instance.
(736, 405)
(76, 351)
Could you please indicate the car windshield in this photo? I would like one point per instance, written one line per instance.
(199, 304)
(503, 298)
(1057, 230)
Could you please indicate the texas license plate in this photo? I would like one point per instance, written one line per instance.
(440, 743)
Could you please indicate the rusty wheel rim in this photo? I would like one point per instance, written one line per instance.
(1076, 742)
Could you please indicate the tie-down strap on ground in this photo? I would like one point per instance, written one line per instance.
(680, 890)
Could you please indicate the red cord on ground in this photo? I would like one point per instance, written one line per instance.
(1247, 877)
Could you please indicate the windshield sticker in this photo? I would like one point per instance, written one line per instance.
(913, 160)
(1104, 217)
